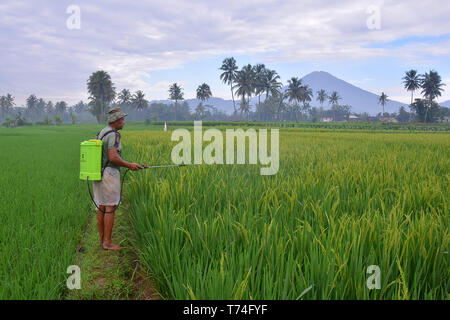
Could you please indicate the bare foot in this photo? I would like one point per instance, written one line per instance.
(111, 246)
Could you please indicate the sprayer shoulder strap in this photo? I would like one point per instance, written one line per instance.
(101, 138)
(105, 134)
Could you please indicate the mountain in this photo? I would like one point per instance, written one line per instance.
(360, 100)
(445, 104)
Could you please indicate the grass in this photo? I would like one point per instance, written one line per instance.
(341, 201)
(44, 210)
(110, 275)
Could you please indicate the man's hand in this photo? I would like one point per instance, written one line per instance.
(135, 166)
(114, 157)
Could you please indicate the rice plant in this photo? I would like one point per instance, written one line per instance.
(340, 202)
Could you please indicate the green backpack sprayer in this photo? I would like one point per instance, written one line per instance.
(91, 165)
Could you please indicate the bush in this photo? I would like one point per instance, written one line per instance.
(58, 120)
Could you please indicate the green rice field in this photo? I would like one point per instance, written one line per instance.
(342, 200)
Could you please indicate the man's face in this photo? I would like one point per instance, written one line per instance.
(119, 124)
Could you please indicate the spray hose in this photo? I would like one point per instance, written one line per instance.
(123, 180)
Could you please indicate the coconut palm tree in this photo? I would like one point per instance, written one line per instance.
(40, 108)
(204, 92)
(200, 110)
(32, 105)
(382, 100)
(245, 107)
(79, 107)
(245, 79)
(60, 107)
(138, 101)
(412, 82)
(321, 97)
(431, 88)
(306, 97)
(102, 93)
(260, 73)
(294, 92)
(9, 103)
(229, 75)
(176, 94)
(125, 97)
(6, 104)
(271, 84)
(279, 105)
(334, 101)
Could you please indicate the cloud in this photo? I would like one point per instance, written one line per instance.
(40, 55)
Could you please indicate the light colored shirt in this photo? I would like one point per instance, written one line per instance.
(110, 141)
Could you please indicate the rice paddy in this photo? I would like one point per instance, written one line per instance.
(340, 202)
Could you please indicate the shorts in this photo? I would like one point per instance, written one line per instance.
(107, 190)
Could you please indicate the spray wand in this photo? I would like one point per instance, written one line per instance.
(123, 180)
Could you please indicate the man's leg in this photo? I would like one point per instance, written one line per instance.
(100, 223)
(109, 223)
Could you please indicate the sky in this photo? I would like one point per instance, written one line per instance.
(50, 48)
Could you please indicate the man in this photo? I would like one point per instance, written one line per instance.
(107, 191)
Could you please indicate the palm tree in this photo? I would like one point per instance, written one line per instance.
(200, 110)
(125, 97)
(245, 107)
(271, 84)
(321, 97)
(245, 79)
(49, 108)
(60, 107)
(278, 100)
(382, 100)
(176, 94)
(102, 93)
(431, 88)
(204, 92)
(138, 101)
(334, 99)
(294, 93)
(9, 103)
(260, 73)
(411, 81)
(79, 107)
(6, 104)
(229, 75)
(306, 97)
(32, 105)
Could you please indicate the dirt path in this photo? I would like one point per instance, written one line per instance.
(111, 274)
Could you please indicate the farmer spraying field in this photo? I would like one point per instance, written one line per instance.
(100, 162)
(107, 190)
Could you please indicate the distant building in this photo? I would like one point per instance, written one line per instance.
(327, 119)
(353, 118)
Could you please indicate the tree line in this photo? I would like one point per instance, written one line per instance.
(290, 104)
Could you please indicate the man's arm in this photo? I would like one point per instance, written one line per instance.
(114, 157)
